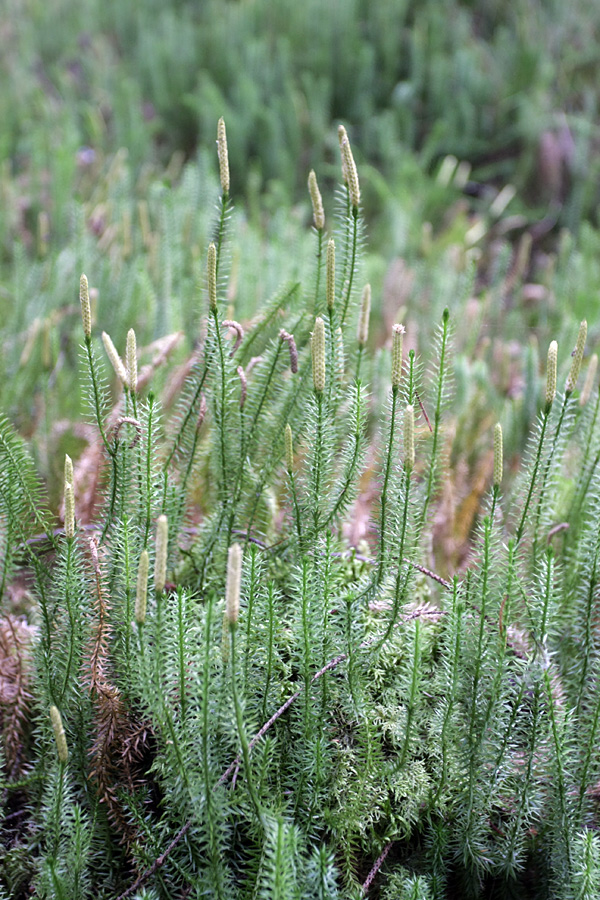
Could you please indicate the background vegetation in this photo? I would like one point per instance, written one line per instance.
(474, 127)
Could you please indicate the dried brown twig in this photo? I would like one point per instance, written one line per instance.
(15, 696)
(376, 867)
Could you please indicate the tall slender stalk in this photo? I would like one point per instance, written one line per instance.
(389, 461)
(532, 482)
(240, 725)
(442, 375)
(352, 268)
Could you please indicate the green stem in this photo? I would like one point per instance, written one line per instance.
(318, 278)
(347, 239)
(414, 686)
(384, 492)
(456, 624)
(400, 582)
(62, 767)
(591, 432)
(240, 726)
(587, 650)
(482, 628)
(522, 801)
(411, 375)
(244, 446)
(353, 463)
(206, 745)
(544, 479)
(149, 471)
(538, 456)
(269, 651)
(560, 773)
(285, 416)
(590, 744)
(221, 423)
(437, 417)
(68, 600)
(474, 742)
(307, 644)
(249, 610)
(95, 389)
(113, 493)
(263, 398)
(221, 230)
(179, 436)
(128, 593)
(318, 461)
(352, 264)
(359, 360)
(296, 507)
(181, 653)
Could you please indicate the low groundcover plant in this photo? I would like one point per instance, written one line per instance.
(211, 693)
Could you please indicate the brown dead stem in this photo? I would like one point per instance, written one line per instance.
(15, 696)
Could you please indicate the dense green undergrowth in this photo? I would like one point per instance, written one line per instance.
(512, 89)
(302, 631)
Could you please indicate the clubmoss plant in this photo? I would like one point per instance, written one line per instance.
(115, 360)
(306, 705)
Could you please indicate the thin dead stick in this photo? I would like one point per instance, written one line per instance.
(423, 411)
(376, 867)
(562, 526)
(430, 574)
(158, 862)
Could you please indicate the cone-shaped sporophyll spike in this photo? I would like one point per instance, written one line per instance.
(573, 376)
(131, 360)
(551, 365)
(142, 588)
(223, 155)
(498, 458)
(289, 448)
(316, 200)
(397, 341)
(160, 560)
(317, 346)
(234, 580)
(69, 511)
(86, 312)
(349, 171)
(59, 734)
(343, 136)
(115, 359)
(69, 477)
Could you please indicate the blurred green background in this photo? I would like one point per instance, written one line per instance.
(510, 88)
(474, 126)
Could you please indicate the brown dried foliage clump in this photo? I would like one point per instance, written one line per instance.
(120, 744)
(15, 696)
